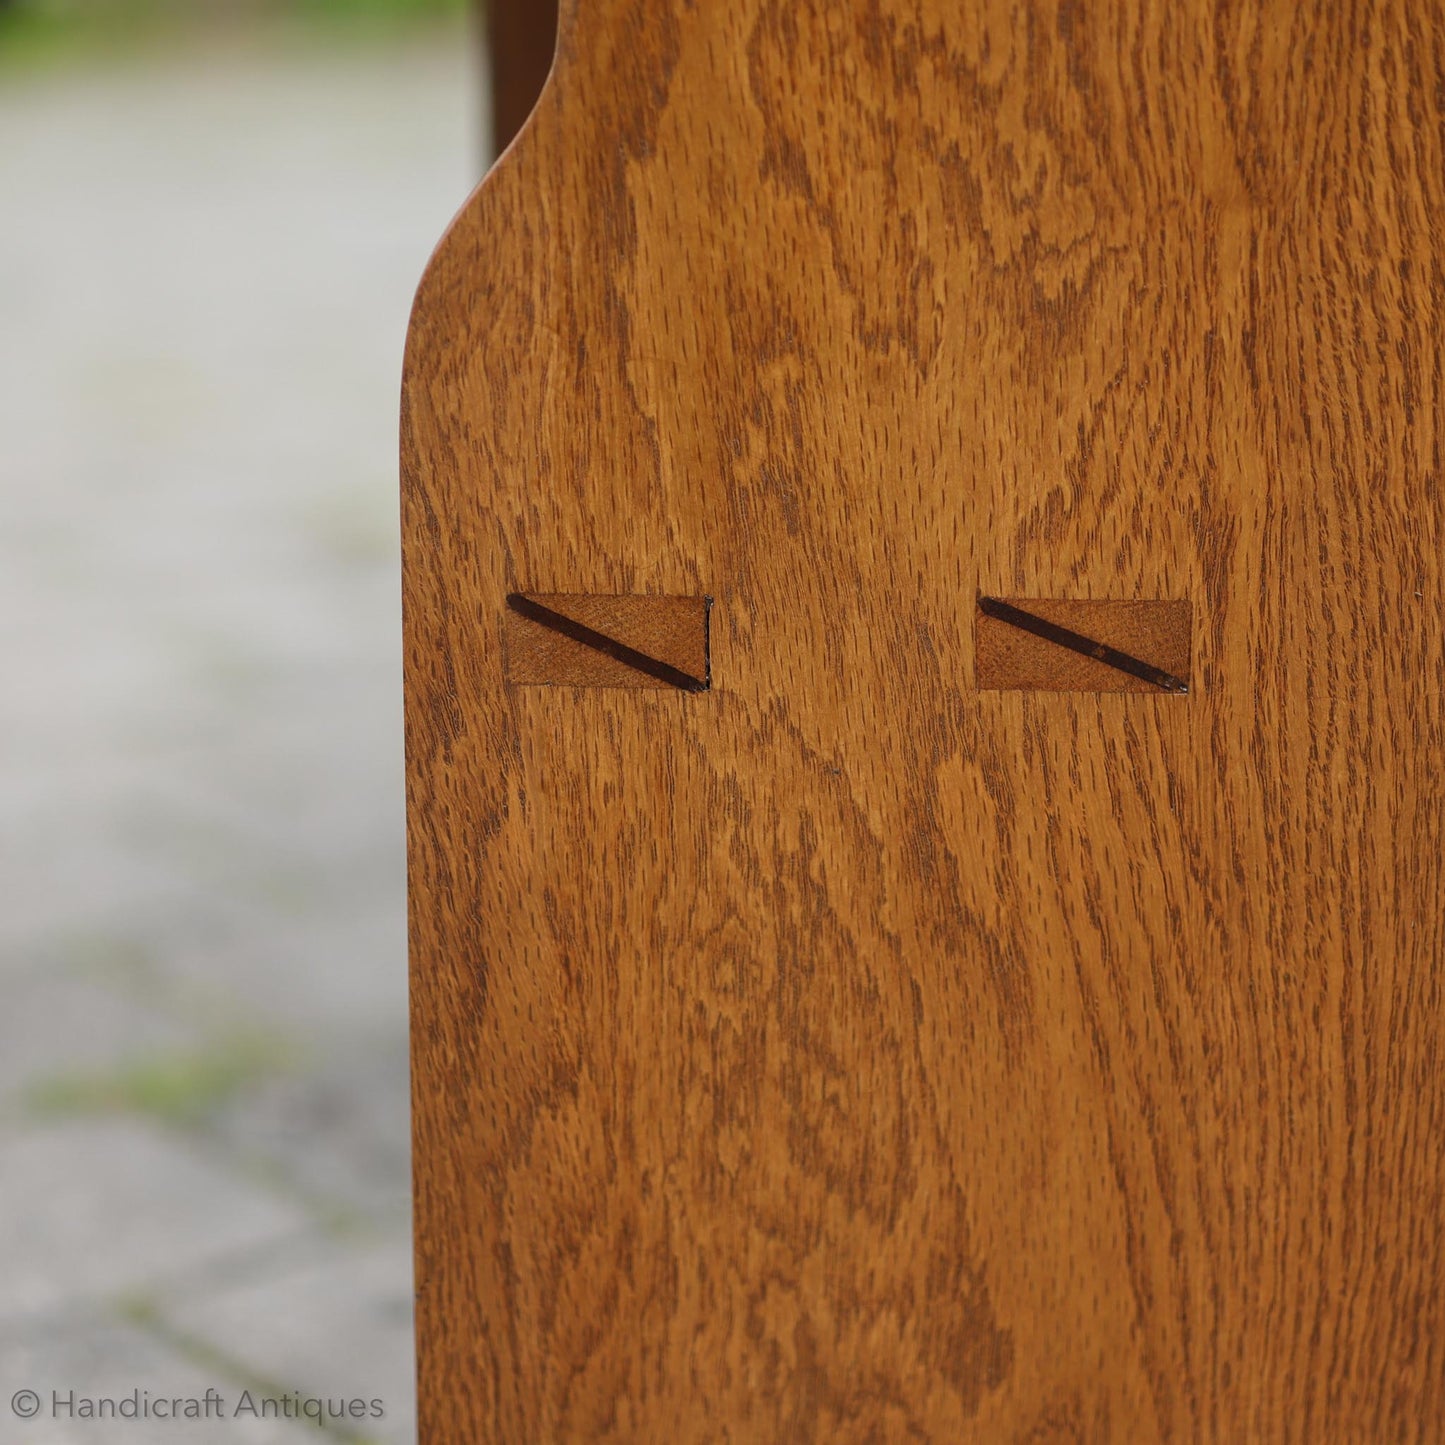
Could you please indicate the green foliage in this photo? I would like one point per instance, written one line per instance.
(39, 31)
(173, 1088)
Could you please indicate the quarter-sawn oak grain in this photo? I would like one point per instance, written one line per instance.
(848, 1053)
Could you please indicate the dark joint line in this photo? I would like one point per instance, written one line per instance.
(1084, 646)
(608, 646)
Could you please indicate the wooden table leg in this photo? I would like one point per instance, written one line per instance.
(522, 35)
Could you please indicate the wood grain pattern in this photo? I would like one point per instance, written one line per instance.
(849, 1054)
(654, 641)
(1152, 636)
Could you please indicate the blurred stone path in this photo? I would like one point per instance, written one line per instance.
(205, 268)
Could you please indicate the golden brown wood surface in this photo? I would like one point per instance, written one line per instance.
(1095, 645)
(589, 641)
(848, 1053)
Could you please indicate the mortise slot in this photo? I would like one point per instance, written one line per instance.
(1077, 645)
(560, 639)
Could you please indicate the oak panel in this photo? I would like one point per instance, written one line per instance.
(848, 1053)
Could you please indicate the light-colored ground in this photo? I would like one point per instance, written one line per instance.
(205, 267)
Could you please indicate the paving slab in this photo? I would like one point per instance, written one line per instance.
(335, 1323)
(95, 1209)
(72, 1373)
(55, 1025)
(205, 271)
(317, 962)
(338, 1132)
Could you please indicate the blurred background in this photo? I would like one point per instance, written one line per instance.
(213, 215)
